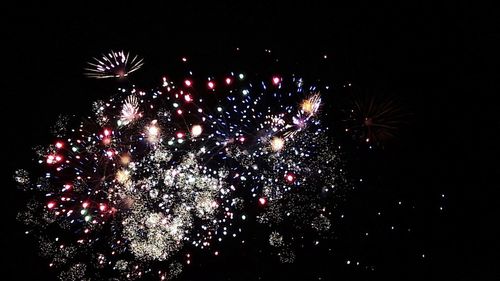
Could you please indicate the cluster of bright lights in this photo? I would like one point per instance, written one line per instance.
(151, 176)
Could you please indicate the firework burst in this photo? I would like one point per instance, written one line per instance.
(374, 120)
(152, 176)
(113, 65)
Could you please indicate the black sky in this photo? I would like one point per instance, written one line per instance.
(414, 52)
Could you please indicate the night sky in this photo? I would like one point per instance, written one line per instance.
(417, 182)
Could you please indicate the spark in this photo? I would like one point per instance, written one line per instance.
(196, 130)
(276, 80)
(277, 143)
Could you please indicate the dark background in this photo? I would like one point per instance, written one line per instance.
(419, 53)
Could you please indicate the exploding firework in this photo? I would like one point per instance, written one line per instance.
(152, 176)
(374, 120)
(113, 65)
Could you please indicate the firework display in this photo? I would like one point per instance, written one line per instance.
(113, 65)
(374, 120)
(133, 190)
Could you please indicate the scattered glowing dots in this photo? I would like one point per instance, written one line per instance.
(196, 130)
(50, 159)
(159, 167)
(110, 153)
(277, 143)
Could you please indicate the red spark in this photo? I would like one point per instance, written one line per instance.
(276, 80)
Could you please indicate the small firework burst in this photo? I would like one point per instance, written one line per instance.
(310, 106)
(113, 65)
(374, 120)
(130, 110)
(277, 144)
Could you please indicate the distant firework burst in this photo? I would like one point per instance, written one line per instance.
(374, 120)
(113, 65)
(134, 190)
